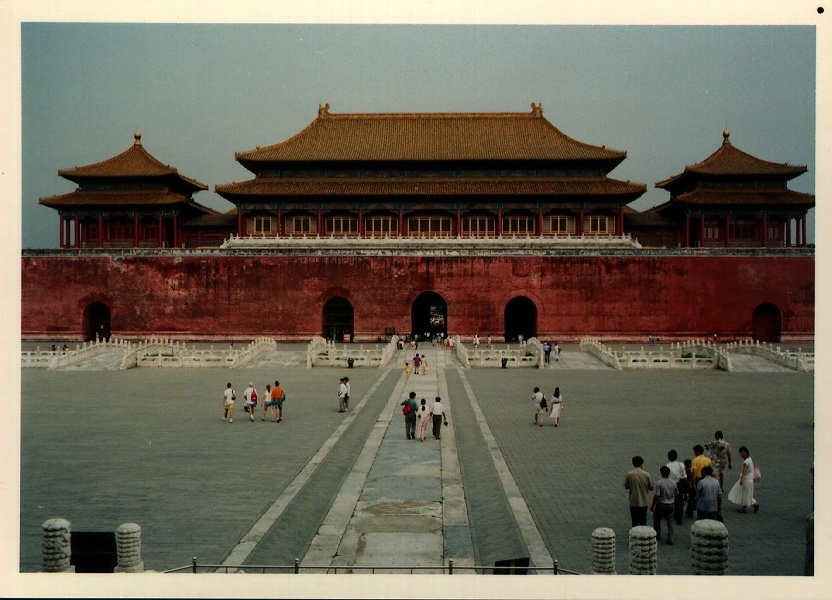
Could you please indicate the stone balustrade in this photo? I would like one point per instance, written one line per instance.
(60, 358)
(797, 360)
(323, 353)
(692, 354)
(528, 354)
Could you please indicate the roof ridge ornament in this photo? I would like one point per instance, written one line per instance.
(725, 135)
(537, 109)
(138, 137)
(323, 111)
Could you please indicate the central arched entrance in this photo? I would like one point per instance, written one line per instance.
(766, 323)
(338, 319)
(96, 322)
(429, 315)
(520, 319)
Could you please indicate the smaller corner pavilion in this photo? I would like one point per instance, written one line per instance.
(131, 200)
(732, 199)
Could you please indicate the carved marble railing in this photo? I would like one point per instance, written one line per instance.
(59, 358)
(797, 360)
(168, 353)
(321, 353)
(528, 354)
(692, 354)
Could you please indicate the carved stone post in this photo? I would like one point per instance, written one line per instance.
(129, 548)
(642, 550)
(603, 551)
(57, 549)
(709, 548)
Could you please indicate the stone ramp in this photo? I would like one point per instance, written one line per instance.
(105, 361)
(748, 363)
(277, 358)
(576, 360)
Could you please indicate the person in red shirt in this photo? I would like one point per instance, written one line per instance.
(278, 397)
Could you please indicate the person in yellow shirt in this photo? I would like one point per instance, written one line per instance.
(699, 462)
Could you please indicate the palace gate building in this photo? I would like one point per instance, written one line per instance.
(463, 223)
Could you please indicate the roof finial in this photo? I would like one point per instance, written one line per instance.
(725, 135)
(323, 110)
(537, 109)
(138, 138)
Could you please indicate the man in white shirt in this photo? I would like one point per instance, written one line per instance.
(438, 412)
(228, 397)
(679, 476)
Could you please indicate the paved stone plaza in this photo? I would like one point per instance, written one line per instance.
(105, 447)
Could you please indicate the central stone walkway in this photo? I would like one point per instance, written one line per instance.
(402, 503)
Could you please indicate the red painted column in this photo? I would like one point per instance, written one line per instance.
(458, 222)
(320, 225)
(175, 231)
(136, 231)
(727, 231)
(702, 231)
(540, 222)
(687, 231)
(279, 223)
(579, 226)
(160, 230)
(401, 223)
(100, 231)
(788, 232)
(61, 226)
(499, 228)
(77, 231)
(239, 222)
(621, 221)
(803, 230)
(765, 232)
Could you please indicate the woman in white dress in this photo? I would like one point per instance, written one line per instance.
(742, 494)
(556, 406)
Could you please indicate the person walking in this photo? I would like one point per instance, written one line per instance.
(250, 396)
(409, 408)
(279, 396)
(556, 406)
(425, 417)
(417, 361)
(423, 365)
(664, 503)
(556, 350)
(678, 475)
(720, 454)
(699, 462)
(708, 496)
(439, 417)
(342, 395)
(538, 405)
(742, 494)
(228, 398)
(268, 403)
(639, 484)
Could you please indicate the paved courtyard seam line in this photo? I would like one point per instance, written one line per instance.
(327, 541)
(243, 549)
(539, 554)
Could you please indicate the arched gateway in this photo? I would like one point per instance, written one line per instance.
(766, 323)
(339, 319)
(429, 315)
(96, 322)
(520, 319)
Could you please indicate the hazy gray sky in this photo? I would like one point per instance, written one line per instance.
(201, 92)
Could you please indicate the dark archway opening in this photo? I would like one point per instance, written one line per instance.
(96, 322)
(429, 315)
(766, 323)
(339, 319)
(520, 319)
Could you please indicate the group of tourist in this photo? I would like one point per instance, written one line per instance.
(543, 407)
(273, 404)
(697, 482)
(423, 415)
(548, 350)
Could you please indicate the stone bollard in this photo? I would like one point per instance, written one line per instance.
(642, 550)
(708, 548)
(603, 551)
(129, 548)
(57, 549)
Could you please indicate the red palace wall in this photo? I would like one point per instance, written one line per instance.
(223, 297)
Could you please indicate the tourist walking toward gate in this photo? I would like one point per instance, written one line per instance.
(679, 476)
(557, 406)
(539, 406)
(708, 496)
(268, 403)
(639, 484)
(742, 494)
(417, 361)
(342, 395)
(664, 502)
(409, 408)
(279, 396)
(250, 396)
(228, 398)
(423, 365)
(425, 417)
(438, 417)
(349, 393)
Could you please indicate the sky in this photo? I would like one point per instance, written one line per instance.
(201, 92)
